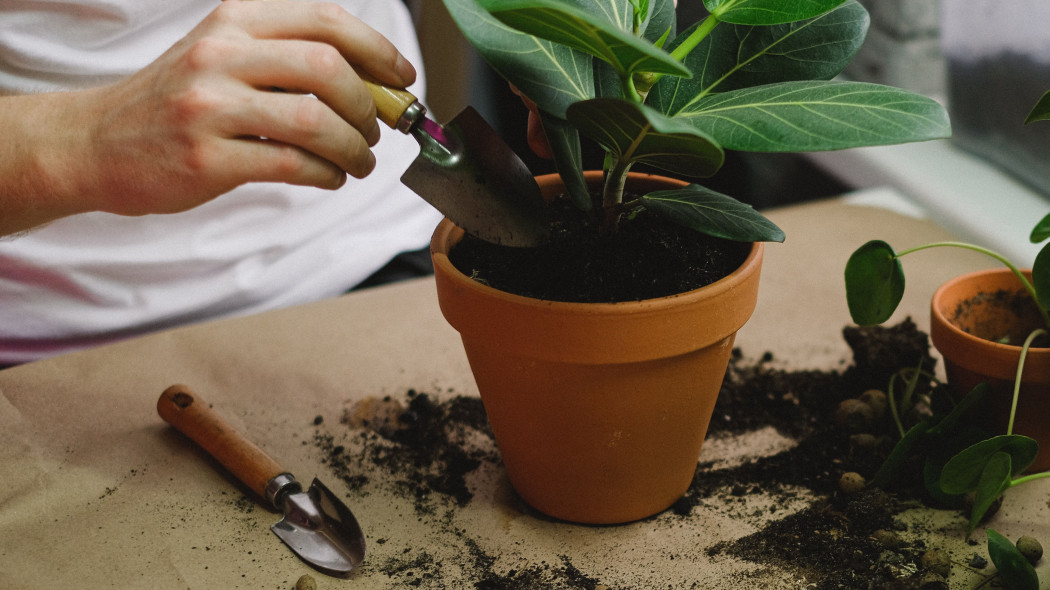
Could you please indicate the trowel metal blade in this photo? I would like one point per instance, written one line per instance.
(468, 173)
(319, 528)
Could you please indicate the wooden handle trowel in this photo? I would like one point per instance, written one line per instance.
(467, 172)
(317, 526)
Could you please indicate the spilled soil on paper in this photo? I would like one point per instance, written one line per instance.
(426, 448)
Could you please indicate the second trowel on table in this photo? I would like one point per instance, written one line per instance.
(467, 172)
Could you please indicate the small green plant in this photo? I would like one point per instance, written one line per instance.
(959, 461)
(752, 75)
(961, 465)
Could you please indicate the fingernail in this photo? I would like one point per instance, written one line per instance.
(405, 70)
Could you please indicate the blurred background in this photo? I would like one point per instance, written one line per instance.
(988, 61)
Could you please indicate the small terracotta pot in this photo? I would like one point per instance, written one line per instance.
(598, 409)
(964, 316)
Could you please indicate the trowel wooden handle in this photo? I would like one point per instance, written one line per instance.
(192, 416)
(391, 103)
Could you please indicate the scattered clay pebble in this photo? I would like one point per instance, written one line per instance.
(854, 415)
(863, 441)
(1030, 548)
(876, 400)
(887, 539)
(932, 581)
(938, 562)
(851, 482)
(380, 414)
(306, 582)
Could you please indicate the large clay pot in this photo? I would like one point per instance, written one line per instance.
(965, 318)
(598, 409)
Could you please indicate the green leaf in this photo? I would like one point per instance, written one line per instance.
(1041, 110)
(552, 75)
(816, 115)
(712, 213)
(662, 21)
(1014, 569)
(1041, 276)
(1041, 231)
(890, 469)
(994, 479)
(768, 12)
(602, 28)
(565, 145)
(739, 56)
(948, 424)
(637, 133)
(964, 471)
(874, 283)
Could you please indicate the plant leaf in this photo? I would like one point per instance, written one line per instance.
(768, 12)
(1041, 110)
(816, 115)
(602, 28)
(1041, 231)
(874, 283)
(952, 419)
(995, 478)
(552, 75)
(637, 133)
(564, 141)
(963, 472)
(1014, 569)
(740, 56)
(712, 213)
(890, 469)
(1041, 276)
(662, 22)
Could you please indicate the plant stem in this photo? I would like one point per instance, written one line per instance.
(612, 194)
(629, 89)
(1017, 272)
(694, 38)
(686, 47)
(1027, 478)
(1017, 380)
(893, 405)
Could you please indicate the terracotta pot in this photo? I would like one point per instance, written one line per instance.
(598, 409)
(963, 317)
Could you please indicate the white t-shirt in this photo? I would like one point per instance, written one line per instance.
(97, 277)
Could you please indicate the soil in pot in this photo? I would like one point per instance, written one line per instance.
(1021, 317)
(647, 257)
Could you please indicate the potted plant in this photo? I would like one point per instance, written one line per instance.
(600, 404)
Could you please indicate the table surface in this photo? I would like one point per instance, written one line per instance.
(99, 492)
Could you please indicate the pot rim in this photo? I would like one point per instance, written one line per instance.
(973, 352)
(687, 321)
(942, 291)
(448, 232)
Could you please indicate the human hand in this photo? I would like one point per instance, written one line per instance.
(205, 117)
(536, 136)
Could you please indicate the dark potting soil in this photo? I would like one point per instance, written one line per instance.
(430, 445)
(647, 257)
(1019, 305)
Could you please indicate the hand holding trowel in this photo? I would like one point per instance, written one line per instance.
(467, 172)
(317, 526)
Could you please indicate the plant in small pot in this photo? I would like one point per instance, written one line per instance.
(993, 330)
(599, 399)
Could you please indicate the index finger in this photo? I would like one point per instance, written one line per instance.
(324, 22)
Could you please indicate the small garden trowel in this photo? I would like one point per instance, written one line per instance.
(317, 526)
(467, 172)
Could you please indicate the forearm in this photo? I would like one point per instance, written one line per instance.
(39, 155)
